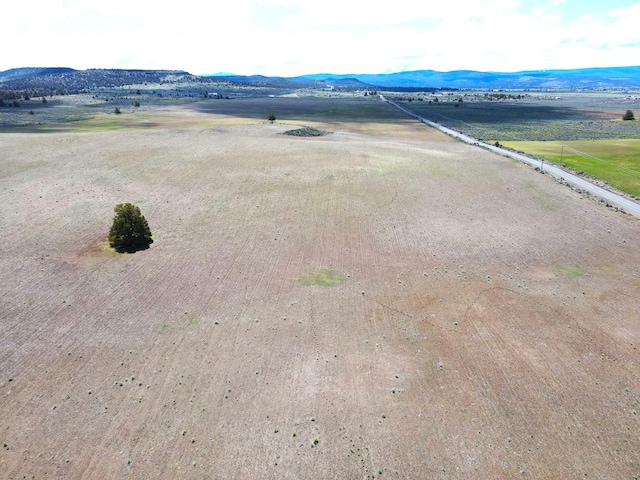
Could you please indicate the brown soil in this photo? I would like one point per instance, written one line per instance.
(483, 323)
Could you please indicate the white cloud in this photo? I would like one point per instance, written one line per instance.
(298, 36)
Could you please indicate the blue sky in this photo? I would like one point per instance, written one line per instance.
(295, 37)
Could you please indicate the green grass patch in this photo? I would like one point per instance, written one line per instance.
(109, 250)
(112, 121)
(616, 161)
(324, 278)
(572, 270)
(165, 327)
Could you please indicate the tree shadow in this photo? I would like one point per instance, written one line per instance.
(133, 248)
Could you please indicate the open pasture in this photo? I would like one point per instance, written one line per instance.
(382, 302)
(615, 161)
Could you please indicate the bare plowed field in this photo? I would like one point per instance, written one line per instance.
(381, 302)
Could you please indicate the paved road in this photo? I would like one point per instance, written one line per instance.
(626, 204)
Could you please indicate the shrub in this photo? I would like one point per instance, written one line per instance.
(117, 111)
(272, 117)
(136, 104)
(130, 230)
(628, 115)
(306, 132)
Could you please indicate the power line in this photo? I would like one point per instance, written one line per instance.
(635, 172)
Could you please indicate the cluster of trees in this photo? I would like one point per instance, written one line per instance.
(12, 98)
(74, 81)
(12, 103)
(19, 95)
(502, 96)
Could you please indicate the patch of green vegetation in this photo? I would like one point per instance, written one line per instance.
(103, 122)
(109, 250)
(35, 128)
(324, 278)
(616, 161)
(572, 270)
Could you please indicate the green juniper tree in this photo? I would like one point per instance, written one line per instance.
(130, 230)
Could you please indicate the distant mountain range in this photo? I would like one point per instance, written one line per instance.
(586, 78)
(346, 82)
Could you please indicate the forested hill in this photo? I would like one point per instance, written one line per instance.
(70, 80)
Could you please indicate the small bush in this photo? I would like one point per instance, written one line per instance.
(117, 111)
(306, 132)
(136, 104)
(130, 230)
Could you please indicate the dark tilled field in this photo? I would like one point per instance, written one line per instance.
(554, 116)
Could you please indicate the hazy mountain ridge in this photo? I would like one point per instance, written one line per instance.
(586, 78)
(344, 82)
(51, 79)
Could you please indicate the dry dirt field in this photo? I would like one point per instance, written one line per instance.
(381, 302)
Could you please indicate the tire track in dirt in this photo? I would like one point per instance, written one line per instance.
(495, 340)
(325, 206)
(45, 333)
